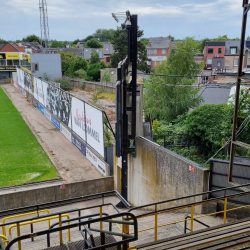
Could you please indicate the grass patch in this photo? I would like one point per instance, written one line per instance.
(107, 96)
(22, 159)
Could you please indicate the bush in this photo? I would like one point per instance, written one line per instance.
(80, 73)
(65, 83)
(93, 71)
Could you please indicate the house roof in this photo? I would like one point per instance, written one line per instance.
(215, 94)
(215, 43)
(229, 45)
(75, 51)
(108, 48)
(1, 45)
(159, 42)
(10, 45)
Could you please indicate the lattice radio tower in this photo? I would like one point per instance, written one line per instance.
(44, 25)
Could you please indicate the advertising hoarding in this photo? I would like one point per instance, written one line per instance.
(81, 147)
(65, 132)
(77, 118)
(47, 114)
(55, 122)
(41, 108)
(94, 128)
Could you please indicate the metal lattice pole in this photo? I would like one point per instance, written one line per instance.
(44, 24)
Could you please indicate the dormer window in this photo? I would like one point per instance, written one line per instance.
(233, 50)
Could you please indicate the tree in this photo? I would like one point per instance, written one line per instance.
(93, 71)
(76, 41)
(66, 59)
(106, 77)
(94, 57)
(104, 35)
(76, 63)
(204, 126)
(2, 41)
(87, 38)
(145, 41)
(248, 38)
(93, 43)
(57, 44)
(167, 102)
(32, 38)
(120, 47)
(202, 44)
(80, 73)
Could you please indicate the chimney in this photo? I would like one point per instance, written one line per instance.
(149, 44)
(169, 37)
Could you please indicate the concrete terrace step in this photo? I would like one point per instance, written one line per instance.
(226, 236)
(30, 186)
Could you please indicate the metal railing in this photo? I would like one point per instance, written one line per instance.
(126, 238)
(154, 213)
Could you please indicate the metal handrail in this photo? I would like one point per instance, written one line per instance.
(124, 241)
(185, 224)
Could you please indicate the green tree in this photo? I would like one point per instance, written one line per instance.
(201, 45)
(2, 41)
(80, 73)
(76, 41)
(167, 102)
(145, 41)
(104, 35)
(93, 43)
(204, 126)
(66, 59)
(93, 71)
(57, 44)
(248, 38)
(120, 47)
(76, 63)
(87, 38)
(106, 77)
(94, 57)
(32, 38)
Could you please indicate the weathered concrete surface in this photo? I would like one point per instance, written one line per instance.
(157, 174)
(70, 163)
(53, 193)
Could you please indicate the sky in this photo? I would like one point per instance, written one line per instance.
(72, 19)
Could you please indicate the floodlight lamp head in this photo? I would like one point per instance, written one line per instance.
(128, 24)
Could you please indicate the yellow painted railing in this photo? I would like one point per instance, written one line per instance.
(18, 225)
(21, 215)
(156, 224)
(5, 239)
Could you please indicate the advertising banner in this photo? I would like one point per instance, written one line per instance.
(12, 56)
(15, 84)
(41, 108)
(55, 122)
(9, 68)
(47, 114)
(2, 56)
(28, 83)
(94, 123)
(77, 118)
(20, 75)
(96, 162)
(81, 147)
(65, 132)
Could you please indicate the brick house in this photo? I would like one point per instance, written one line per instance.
(158, 50)
(214, 55)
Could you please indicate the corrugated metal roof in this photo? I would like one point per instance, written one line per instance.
(159, 42)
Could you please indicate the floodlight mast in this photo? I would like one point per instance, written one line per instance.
(44, 24)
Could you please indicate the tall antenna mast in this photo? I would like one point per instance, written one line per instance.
(44, 24)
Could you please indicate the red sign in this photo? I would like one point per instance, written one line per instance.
(62, 187)
(191, 168)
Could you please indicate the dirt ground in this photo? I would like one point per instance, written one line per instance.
(70, 163)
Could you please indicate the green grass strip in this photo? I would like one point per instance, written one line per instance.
(22, 159)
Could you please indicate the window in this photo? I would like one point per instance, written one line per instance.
(227, 64)
(219, 50)
(16, 62)
(210, 51)
(236, 62)
(2, 62)
(218, 64)
(209, 61)
(107, 59)
(9, 63)
(155, 51)
(233, 51)
(149, 52)
(163, 51)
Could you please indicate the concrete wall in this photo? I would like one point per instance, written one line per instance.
(158, 174)
(49, 64)
(54, 193)
(92, 86)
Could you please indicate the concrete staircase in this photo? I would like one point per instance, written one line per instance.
(228, 236)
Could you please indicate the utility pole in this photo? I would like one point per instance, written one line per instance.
(44, 24)
(246, 7)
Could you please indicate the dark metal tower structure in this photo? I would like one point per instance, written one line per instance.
(44, 25)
